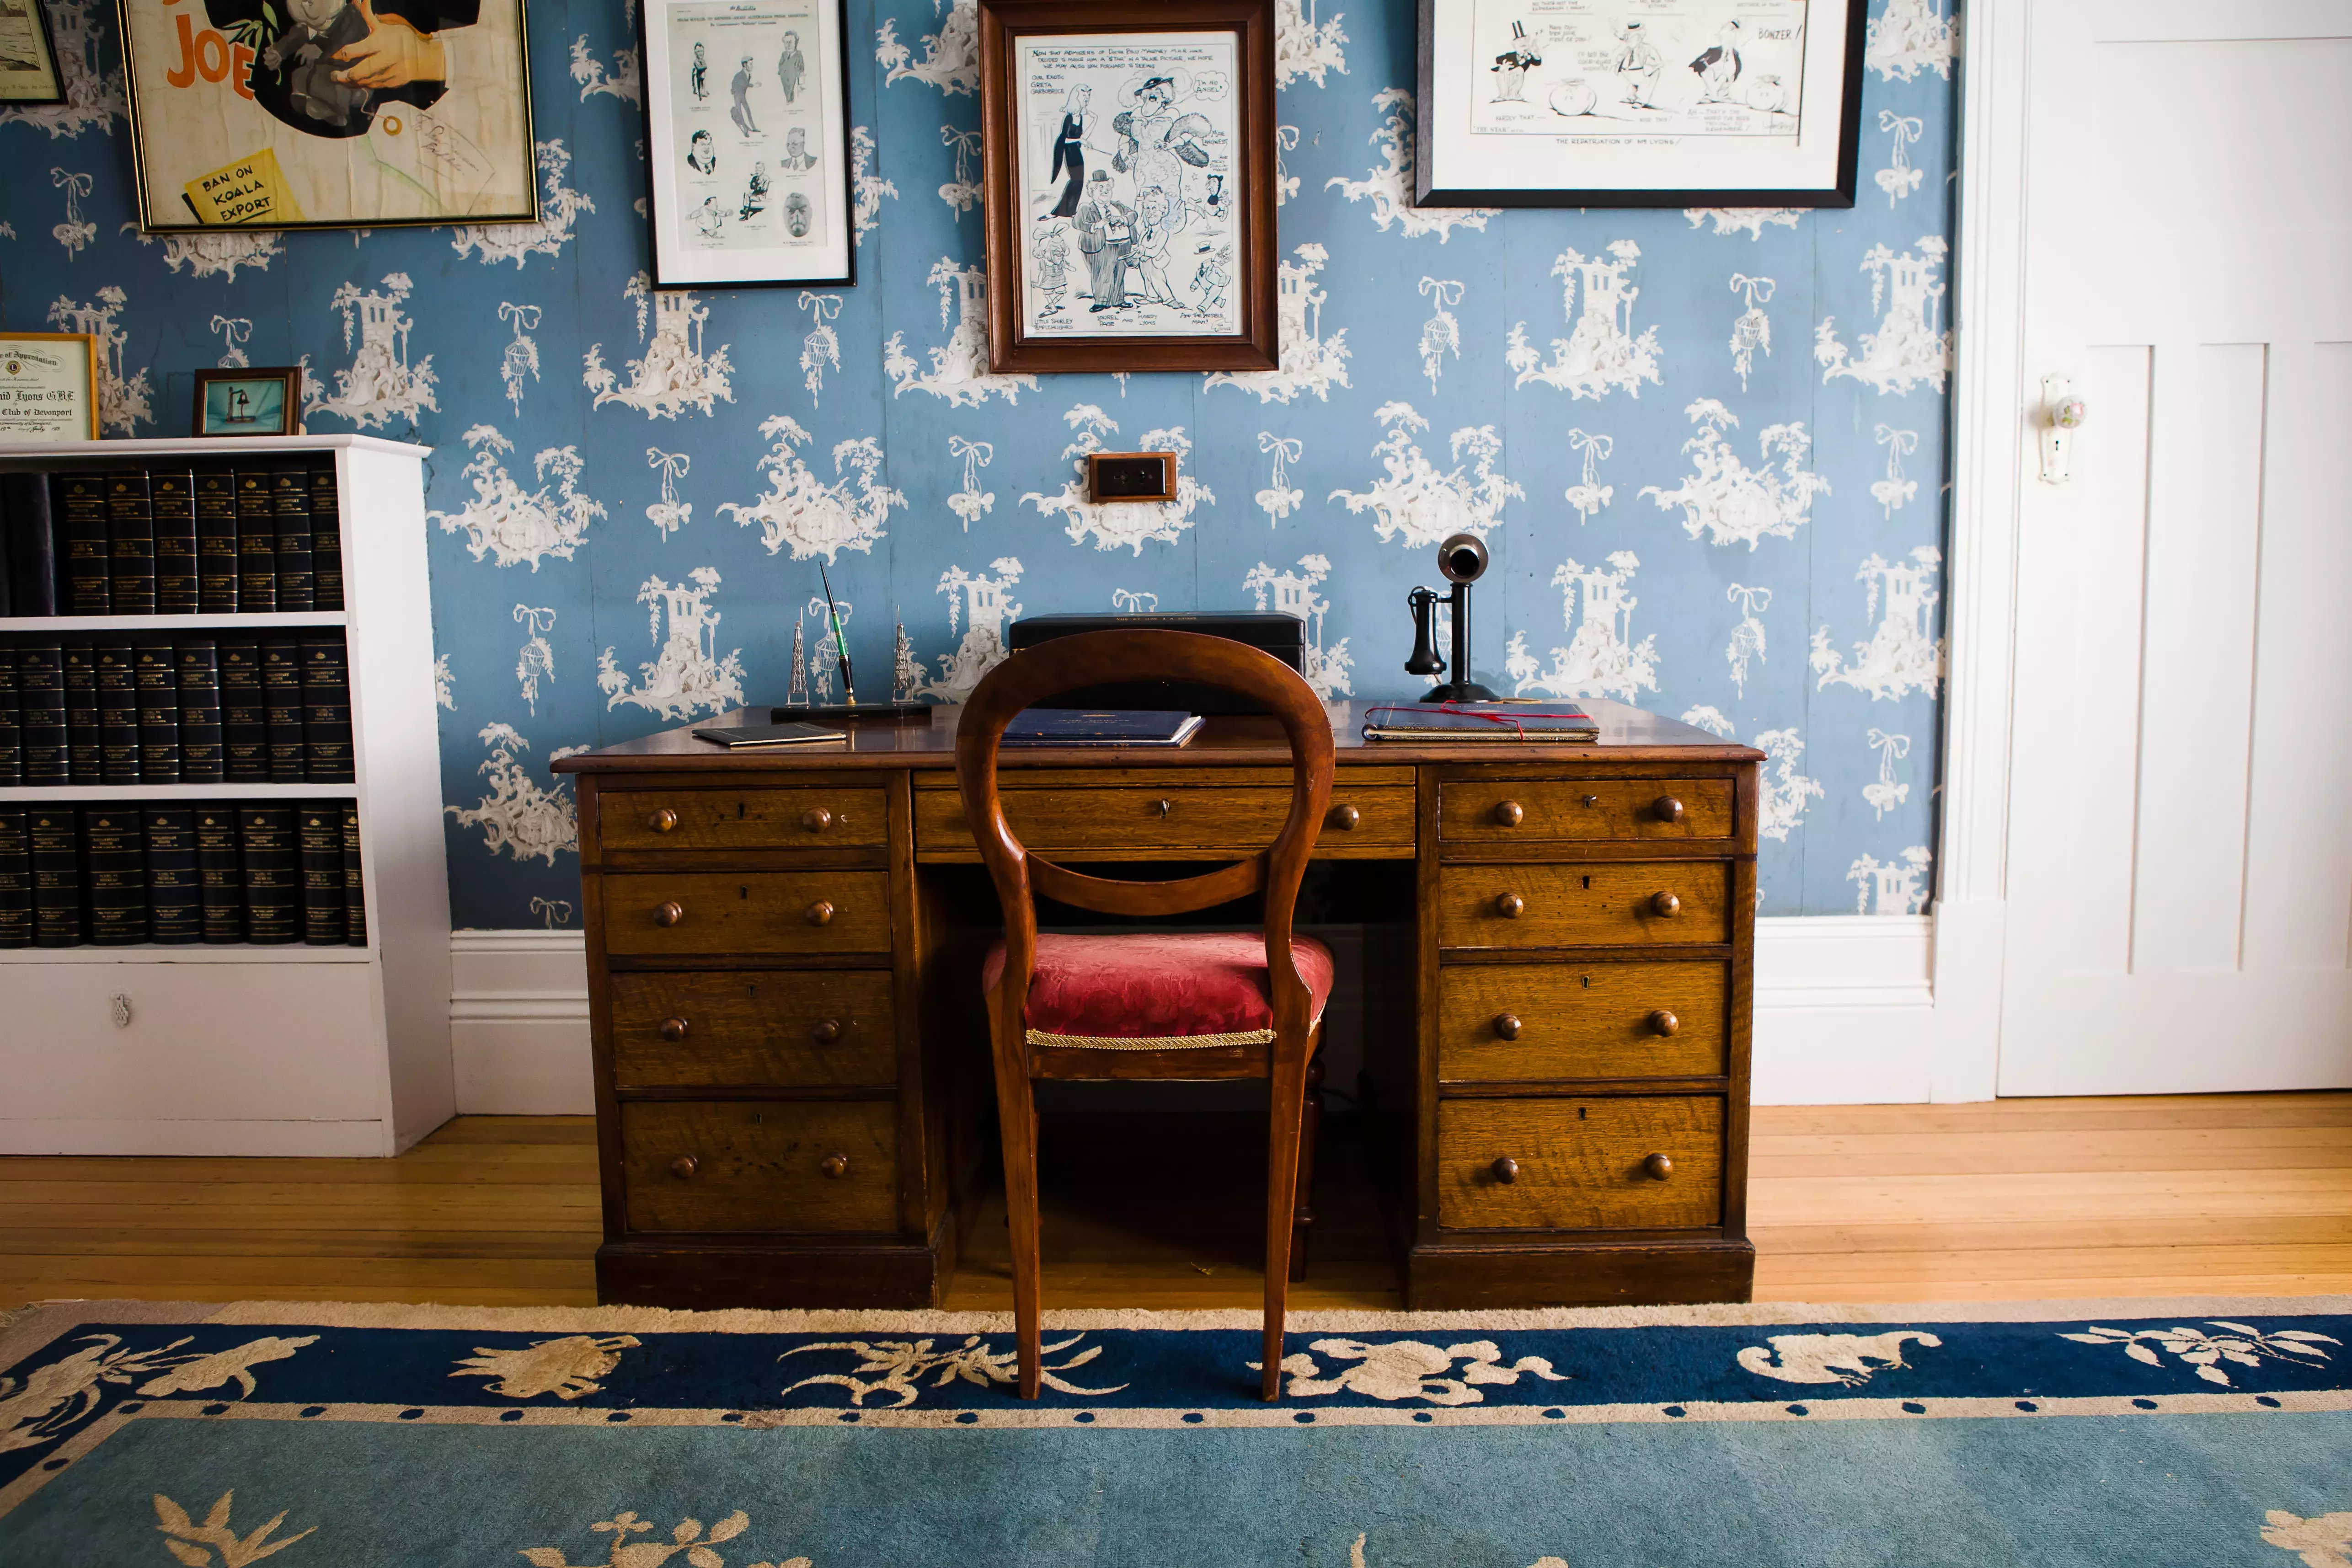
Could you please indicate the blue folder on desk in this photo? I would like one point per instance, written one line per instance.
(1100, 727)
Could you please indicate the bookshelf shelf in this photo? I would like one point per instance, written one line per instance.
(148, 952)
(235, 789)
(241, 622)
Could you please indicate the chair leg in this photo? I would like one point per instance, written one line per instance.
(1303, 1226)
(1016, 1114)
(1287, 1106)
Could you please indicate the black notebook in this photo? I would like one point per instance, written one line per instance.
(320, 830)
(85, 759)
(172, 500)
(41, 712)
(290, 488)
(12, 732)
(355, 888)
(175, 908)
(16, 878)
(326, 537)
(217, 558)
(257, 541)
(114, 844)
(326, 710)
(281, 692)
(220, 873)
(29, 546)
(130, 525)
(78, 506)
(202, 757)
(118, 712)
(157, 668)
(245, 715)
(265, 832)
(55, 832)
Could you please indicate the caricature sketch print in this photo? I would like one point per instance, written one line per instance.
(1129, 189)
(1692, 68)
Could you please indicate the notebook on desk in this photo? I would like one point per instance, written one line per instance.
(1479, 721)
(1100, 727)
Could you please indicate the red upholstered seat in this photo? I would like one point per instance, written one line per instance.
(1139, 991)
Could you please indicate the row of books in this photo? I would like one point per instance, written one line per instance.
(184, 709)
(190, 540)
(259, 871)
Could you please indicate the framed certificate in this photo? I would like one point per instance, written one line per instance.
(48, 387)
(747, 139)
(1128, 149)
(29, 56)
(1593, 103)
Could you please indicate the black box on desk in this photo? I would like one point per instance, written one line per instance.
(1284, 636)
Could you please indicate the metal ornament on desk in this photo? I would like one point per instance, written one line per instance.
(1463, 559)
(798, 703)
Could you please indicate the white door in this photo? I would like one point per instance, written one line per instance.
(2180, 839)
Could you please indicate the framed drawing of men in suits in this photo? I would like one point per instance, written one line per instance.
(279, 114)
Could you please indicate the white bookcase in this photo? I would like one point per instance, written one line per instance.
(188, 1049)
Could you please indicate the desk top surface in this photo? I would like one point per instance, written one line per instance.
(1627, 735)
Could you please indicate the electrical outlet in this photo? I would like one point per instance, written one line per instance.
(1131, 476)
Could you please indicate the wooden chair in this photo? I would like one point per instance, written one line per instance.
(1148, 1004)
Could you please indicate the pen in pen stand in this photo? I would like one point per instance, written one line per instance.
(840, 643)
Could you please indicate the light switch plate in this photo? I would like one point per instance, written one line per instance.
(1131, 476)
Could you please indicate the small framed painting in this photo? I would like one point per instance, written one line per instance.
(28, 57)
(48, 387)
(1583, 103)
(747, 139)
(249, 401)
(1127, 154)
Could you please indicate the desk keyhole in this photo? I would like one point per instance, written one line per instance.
(1588, 884)
(1585, 981)
(1579, 1114)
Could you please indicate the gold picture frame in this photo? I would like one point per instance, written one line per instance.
(48, 387)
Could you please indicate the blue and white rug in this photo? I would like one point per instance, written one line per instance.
(2202, 1434)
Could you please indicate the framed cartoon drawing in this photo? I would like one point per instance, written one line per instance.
(747, 139)
(245, 400)
(329, 113)
(1611, 103)
(1128, 152)
(28, 57)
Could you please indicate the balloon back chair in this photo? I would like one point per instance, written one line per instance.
(1146, 1004)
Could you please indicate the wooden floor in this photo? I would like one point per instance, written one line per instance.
(2018, 1199)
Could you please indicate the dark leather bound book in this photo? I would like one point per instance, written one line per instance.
(118, 712)
(257, 541)
(326, 538)
(172, 498)
(85, 756)
(203, 759)
(281, 692)
(41, 712)
(320, 830)
(217, 560)
(55, 835)
(30, 545)
(265, 835)
(290, 488)
(326, 709)
(158, 667)
(114, 841)
(175, 904)
(16, 877)
(245, 715)
(354, 886)
(78, 503)
(220, 873)
(130, 525)
(11, 721)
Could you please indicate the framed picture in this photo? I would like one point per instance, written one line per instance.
(249, 401)
(1127, 154)
(1670, 103)
(747, 139)
(239, 118)
(48, 387)
(29, 56)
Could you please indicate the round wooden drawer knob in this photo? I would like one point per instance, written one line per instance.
(1664, 1022)
(1345, 817)
(1657, 1167)
(816, 819)
(673, 1028)
(1666, 808)
(821, 912)
(836, 1166)
(669, 913)
(1510, 813)
(1510, 906)
(1665, 904)
(683, 1166)
(1505, 1170)
(663, 821)
(827, 1033)
(1508, 1026)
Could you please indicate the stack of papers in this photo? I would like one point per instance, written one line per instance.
(1100, 727)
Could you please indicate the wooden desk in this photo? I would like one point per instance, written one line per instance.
(793, 1090)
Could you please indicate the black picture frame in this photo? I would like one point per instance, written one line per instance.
(288, 378)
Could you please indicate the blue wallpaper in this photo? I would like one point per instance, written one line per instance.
(1708, 449)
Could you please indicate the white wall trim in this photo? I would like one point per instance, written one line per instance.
(1845, 1013)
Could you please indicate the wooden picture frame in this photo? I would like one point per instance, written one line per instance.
(748, 168)
(48, 387)
(1127, 167)
(243, 400)
(1588, 109)
(30, 75)
(236, 125)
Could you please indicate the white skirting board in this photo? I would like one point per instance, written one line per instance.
(1846, 1015)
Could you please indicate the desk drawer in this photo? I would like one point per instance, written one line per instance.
(1502, 811)
(1580, 1163)
(687, 819)
(1375, 820)
(709, 1165)
(1596, 903)
(774, 1028)
(1500, 1022)
(678, 912)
